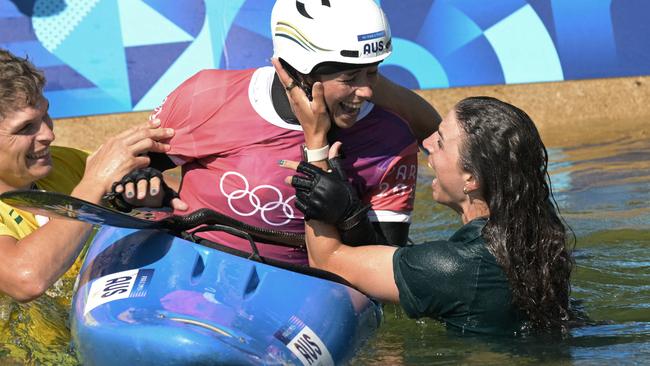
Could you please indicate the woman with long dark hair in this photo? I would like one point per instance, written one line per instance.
(505, 271)
(504, 151)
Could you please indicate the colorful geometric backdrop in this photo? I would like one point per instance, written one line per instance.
(108, 56)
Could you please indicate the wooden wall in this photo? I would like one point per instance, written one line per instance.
(567, 113)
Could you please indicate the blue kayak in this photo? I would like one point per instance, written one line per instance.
(144, 297)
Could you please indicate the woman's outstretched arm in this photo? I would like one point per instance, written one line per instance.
(369, 268)
(421, 116)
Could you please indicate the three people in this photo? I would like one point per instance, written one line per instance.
(508, 266)
(505, 271)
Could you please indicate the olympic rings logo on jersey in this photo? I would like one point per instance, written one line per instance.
(256, 204)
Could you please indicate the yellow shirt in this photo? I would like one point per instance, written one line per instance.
(36, 333)
(67, 169)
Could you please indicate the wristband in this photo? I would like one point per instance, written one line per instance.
(316, 154)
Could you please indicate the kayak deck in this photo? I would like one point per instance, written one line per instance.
(147, 297)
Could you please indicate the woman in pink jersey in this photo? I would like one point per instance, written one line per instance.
(232, 126)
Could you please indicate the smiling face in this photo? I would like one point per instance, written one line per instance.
(443, 148)
(25, 138)
(346, 91)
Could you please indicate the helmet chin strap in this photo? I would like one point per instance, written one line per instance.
(281, 102)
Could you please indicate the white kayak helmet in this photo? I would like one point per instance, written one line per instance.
(307, 33)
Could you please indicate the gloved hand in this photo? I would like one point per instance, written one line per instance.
(123, 195)
(328, 196)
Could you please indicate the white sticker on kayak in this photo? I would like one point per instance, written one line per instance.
(120, 285)
(304, 343)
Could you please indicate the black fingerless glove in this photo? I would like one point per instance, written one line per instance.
(328, 196)
(117, 200)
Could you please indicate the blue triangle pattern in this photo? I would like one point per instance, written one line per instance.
(157, 29)
(178, 12)
(63, 77)
(145, 70)
(252, 49)
(544, 10)
(102, 60)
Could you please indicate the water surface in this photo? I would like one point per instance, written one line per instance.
(603, 190)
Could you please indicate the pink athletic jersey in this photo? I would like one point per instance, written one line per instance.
(229, 140)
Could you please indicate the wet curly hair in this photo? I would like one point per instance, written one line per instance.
(503, 150)
(21, 84)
